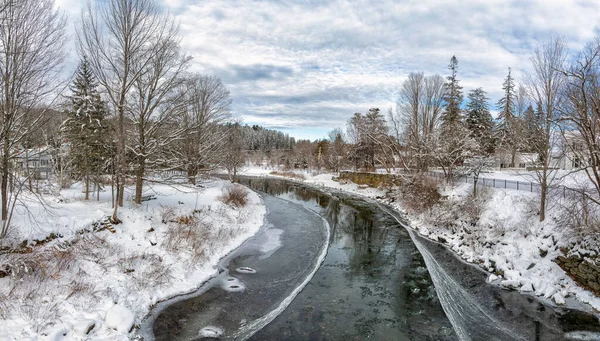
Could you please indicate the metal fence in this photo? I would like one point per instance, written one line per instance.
(516, 185)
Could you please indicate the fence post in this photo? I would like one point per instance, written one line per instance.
(517, 185)
(494, 182)
(531, 183)
(504, 183)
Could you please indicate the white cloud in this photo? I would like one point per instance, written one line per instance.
(300, 63)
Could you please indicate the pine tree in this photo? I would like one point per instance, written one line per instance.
(508, 125)
(85, 127)
(479, 120)
(453, 95)
(506, 104)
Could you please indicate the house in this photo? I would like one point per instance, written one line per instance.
(36, 162)
(503, 159)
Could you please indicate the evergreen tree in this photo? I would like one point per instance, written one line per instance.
(508, 125)
(479, 120)
(506, 104)
(453, 95)
(85, 127)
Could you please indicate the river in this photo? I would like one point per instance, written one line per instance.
(332, 266)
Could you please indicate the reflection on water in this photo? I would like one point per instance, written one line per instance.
(372, 284)
(373, 260)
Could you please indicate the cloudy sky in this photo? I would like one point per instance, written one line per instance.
(305, 67)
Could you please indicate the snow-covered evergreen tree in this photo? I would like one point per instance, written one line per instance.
(479, 120)
(453, 95)
(85, 127)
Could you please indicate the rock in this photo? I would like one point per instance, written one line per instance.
(530, 266)
(442, 240)
(543, 253)
(120, 318)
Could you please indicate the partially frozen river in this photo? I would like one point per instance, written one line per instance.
(329, 266)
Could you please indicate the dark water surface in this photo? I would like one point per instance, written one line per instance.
(376, 282)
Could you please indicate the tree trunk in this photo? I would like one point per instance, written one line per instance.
(87, 186)
(475, 178)
(543, 202)
(192, 172)
(5, 184)
(27, 170)
(139, 180)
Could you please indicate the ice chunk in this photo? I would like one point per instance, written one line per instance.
(210, 331)
(245, 270)
(232, 284)
(120, 318)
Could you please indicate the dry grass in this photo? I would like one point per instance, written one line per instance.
(289, 174)
(234, 195)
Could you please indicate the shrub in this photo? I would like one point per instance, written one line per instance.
(234, 195)
(420, 194)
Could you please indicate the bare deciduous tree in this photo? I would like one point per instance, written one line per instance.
(206, 106)
(155, 101)
(417, 117)
(32, 35)
(119, 37)
(580, 114)
(544, 86)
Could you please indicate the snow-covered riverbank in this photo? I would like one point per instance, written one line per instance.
(507, 239)
(96, 285)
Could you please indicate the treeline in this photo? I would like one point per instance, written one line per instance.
(552, 115)
(257, 138)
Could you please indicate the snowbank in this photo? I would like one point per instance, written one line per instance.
(97, 285)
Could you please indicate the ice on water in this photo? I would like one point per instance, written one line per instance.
(232, 284)
(245, 270)
(210, 331)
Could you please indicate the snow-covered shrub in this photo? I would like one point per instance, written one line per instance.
(420, 193)
(234, 195)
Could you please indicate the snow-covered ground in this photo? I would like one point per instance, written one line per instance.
(105, 282)
(508, 240)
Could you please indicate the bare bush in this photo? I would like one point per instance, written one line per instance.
(188, 237)
(420, 194)
(580, 217)
(234, 195)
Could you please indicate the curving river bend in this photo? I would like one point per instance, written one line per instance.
(331, 266)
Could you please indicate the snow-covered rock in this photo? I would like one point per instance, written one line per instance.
(83, 327)
(55, 333)
(120, 318)
(558, 299)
